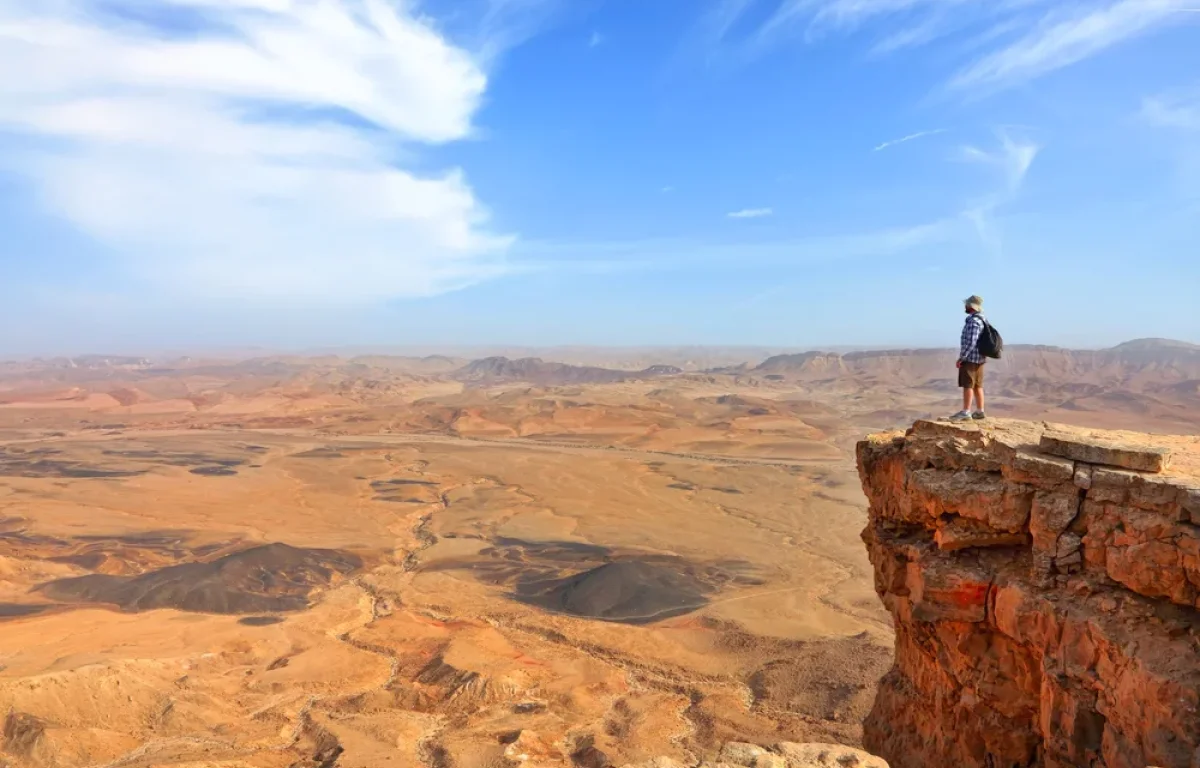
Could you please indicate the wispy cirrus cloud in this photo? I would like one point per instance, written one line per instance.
(1007, 42)
(1177, 113)
(1062, 39)
(1012, 160)
(672, 253)
(909, 137)
(252, 148)
(751, 213)
(1174, 110)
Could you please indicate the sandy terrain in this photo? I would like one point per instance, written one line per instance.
(367, 563)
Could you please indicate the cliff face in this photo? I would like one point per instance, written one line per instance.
(1044, 588)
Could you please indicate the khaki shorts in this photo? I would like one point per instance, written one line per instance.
(970, 375)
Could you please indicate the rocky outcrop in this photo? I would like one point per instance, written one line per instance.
(1044, 596)
(784, 755)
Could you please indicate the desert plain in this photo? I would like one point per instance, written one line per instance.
(592, 558)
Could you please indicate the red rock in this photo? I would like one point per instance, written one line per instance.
(997, 666)
(960, 533)
(939, 592)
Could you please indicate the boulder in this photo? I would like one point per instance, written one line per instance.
(1099, 450)
(827, 756)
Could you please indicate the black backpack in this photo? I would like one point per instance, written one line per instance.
(991, 343)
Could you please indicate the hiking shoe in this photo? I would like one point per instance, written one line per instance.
(961, 416)
(979, 415)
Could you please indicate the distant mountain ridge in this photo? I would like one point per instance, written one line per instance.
(1140, 364)
(1143, 365)
(534, 370)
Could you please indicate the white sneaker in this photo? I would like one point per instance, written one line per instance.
(979, 415)
(961, 416)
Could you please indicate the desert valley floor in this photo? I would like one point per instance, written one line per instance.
(394, 561)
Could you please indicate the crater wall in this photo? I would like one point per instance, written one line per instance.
(1044, 585)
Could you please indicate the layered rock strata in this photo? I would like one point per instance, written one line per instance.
(1044, 596)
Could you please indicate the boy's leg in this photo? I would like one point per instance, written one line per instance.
(979, 399)
(967, 399)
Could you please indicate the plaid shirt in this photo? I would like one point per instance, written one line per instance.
(968, 350)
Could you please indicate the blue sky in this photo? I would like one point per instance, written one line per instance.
(294, 173)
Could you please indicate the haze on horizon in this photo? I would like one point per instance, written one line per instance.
(296, 174)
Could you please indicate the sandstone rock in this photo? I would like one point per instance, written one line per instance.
(1051, 513)
(1097, 450)
(1191, 504)
(1154, 557)
(740, 753)
(827, 756)
(942, 591)
(1069, 544)
(656, 762)
(977, 495)
(530, 749)
(1168, 496)
(1068, 563)
(960, 533)
(998, 666)
(1026, 617)
(1040, 470)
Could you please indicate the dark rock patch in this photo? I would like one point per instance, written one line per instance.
(260, 621)
(20, 465)
(528, 707)
(17, 610)
(566, 551)
(22, 733)
(319, 453)
(384, 485)
(176, 459)
(214, 471)
(630, 591)
(269, 579)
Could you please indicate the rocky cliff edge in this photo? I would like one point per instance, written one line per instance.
(1044, 584)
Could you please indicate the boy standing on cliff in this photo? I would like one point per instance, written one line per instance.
(970, 362)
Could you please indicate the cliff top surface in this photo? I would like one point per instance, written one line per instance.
(1179, 454)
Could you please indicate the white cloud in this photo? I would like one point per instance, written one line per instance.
(595, 40)
(1179, 110)
(260, 155)
(667, 190)
(1061, 40)
(1012, 159)
(910, 137)
(750, 213)
(1008, 41)
(1179, 113)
